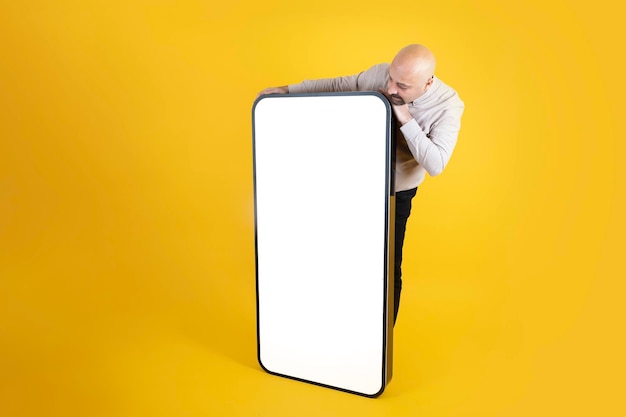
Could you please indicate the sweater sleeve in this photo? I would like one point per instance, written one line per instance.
(432, 150)
(369, 80)
(324, 85)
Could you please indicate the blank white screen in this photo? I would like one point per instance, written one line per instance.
(321, 181)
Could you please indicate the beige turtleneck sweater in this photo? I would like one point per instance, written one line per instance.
(427, 141)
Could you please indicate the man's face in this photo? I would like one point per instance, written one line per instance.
(404, 85)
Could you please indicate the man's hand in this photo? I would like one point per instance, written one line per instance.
(274, 90)
(400, 108)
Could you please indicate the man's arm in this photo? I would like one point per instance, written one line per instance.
(433, 150)
(327, 85)
(323, 85)
(369, 80)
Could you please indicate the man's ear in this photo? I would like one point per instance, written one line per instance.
(429, 82)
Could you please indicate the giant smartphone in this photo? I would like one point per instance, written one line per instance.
(324, 216)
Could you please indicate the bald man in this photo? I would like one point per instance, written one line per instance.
(428, 114)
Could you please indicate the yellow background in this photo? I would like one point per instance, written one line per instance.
(126, 208)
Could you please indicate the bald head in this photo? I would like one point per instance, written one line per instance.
(416, 59)
(411, 73)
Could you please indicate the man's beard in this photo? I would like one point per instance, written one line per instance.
(396, 100)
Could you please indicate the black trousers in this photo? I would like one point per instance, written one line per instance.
(403, 210)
